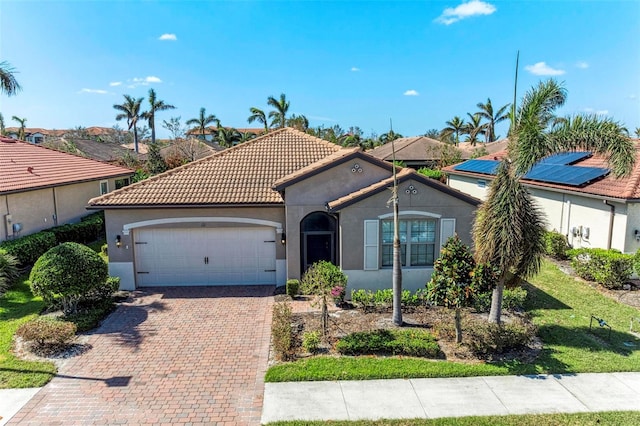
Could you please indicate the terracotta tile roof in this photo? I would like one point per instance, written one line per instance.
(25, 166)
(242, 175)
(422, 148)
(191, 149)
(101, 151)
(403, 175)
(609, 186)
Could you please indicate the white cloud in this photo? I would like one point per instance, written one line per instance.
(465, 10)
(541, 68)
(115, 83)
(97, 91)
(355, 69)
(597, 112)
(411, 93)
(632, 96)
(168, 36)
(137, 81)
(582, 65)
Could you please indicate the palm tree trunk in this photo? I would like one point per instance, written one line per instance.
(135, 138)
(324, 321)
(496, 302)
(458, 326)
(153, 132)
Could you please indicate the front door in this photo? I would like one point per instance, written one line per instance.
(318, 242)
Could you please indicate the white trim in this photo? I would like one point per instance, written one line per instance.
(371, 246)
(411, 213)
(105, 181)
(129, 226)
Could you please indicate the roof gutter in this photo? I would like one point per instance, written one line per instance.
(612, 214)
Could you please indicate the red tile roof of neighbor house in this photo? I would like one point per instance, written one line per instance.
(242, 175)
(25, 166)
(422, 148)
(608, 186)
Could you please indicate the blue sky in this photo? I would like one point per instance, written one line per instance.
(352, 63)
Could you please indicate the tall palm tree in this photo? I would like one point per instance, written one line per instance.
(21, 122)
(8, 82)
(150, 116)
(2, 127)
(486, 112)
(456, 127)
(389, 136)
(299, 122)
(279, 115)
(474, 128)
(259, 116)
(228, 137)
(203, 120)
(130, 110)
(509, 227)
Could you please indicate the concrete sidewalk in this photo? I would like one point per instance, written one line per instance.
(456, 397)
(12, 400)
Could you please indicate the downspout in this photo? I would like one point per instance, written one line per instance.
(611, 216)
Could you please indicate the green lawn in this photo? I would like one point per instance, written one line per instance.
(17, 306)
(559, 305)
(627, 418)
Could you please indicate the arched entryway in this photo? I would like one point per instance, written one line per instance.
(318, 242)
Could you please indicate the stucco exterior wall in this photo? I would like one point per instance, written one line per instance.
(572, 213)
(44, 208)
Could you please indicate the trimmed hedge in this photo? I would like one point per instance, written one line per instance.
(556, 245)
(609, 268)
(410, 342)
(29, 248)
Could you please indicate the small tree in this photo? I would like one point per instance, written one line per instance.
(155, 162)
(319, 280)
(68, 272)
(9, 272)
(451, 283)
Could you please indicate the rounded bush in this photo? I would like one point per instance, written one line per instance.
(69, 271)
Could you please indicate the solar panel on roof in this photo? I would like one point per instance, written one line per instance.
(565, 175)
(487, 167)
(565, 158)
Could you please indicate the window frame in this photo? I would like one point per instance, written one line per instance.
(406, 247)
(106, 186)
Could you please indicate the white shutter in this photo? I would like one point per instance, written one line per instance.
(371, 243)
(447, 229)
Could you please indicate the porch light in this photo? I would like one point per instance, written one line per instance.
(283, 239)
(118, 241)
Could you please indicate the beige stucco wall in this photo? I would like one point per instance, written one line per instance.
(565, 211)
(43, 208)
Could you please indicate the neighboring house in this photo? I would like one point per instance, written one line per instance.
(263, 211)
(576, 191)
(100, 151)
(189, 149)
(421, 151)
(31, 135)
(41, 187)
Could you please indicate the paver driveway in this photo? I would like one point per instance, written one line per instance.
(174, 355)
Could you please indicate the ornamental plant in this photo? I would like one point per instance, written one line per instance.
(319, 280)
(9, 272)
(451, 283)
(68, 273)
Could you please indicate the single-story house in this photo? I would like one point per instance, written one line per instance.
(265, 210)
(42, 187)
(421, 151)
(100, 151)
(576, 191)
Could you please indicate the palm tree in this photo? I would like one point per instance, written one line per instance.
(474, 128)
(8, 82)
(1, 124)
(130, 110)
(154, 105)
(279, 115)
(455, 126)
(299, 122)
(247, 136)
(259, 116)
(228, 137)
(202, 121)
(389, 136)
(21, 122)
(486, 112)
(509, 227)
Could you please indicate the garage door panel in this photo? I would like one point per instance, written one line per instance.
(223, 256)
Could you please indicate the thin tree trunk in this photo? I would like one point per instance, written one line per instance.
(135, 138)
(397, 267)
(325, 317)
(496, 302)
(458, 326)
(153, 132)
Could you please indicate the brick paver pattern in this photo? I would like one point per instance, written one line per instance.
(193, 355)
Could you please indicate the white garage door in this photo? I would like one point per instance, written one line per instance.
(205, 256)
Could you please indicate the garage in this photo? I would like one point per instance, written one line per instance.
(205, 256)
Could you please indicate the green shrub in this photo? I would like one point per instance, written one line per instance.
(419, 298)
(433, 174)
(9, 272)
(29, 248)
(104, 291)
(512, 300)
(90, 314)
(609, 268)
(636, 262)
(293, 287)
(104, 249)
(366, 299)
(311, 341)
(46, 334)
(362, 298)
(485, 277)
(322, 279)
(556, 245)
(68, 272)
(281, 331)
(486, 339)
(383, 298)
(410, 342)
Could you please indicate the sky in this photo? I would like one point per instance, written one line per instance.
(416, 64)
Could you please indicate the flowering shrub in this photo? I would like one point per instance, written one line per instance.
(338, 292)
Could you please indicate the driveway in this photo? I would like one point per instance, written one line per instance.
(192, 355)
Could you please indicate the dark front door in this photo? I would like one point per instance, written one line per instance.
(318, 247)
(318, 242)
